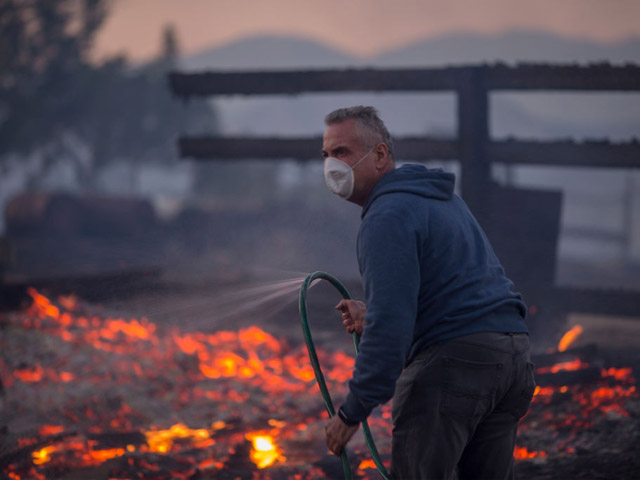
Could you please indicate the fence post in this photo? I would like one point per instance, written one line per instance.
(473, 137)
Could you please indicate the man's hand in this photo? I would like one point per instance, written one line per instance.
(353, 312)
(338, 434)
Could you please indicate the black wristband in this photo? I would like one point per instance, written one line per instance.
(345, 419)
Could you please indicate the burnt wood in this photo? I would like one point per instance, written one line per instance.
(511, 152)
(303, 149)
(492, 77)
(294, 82)
(566, 153)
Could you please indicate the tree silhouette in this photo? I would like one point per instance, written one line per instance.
(43, 53)
(53, 99)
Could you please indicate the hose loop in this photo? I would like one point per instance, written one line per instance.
(313, 357)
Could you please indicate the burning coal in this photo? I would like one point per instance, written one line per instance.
(127, 396)
(124, 398)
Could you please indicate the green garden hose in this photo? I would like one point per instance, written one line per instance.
(318, 371)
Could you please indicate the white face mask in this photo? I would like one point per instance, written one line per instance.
(339, 176)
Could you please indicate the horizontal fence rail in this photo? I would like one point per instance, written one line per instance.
(600, 77)
(566, 153)
(511, 152)
(303, 149)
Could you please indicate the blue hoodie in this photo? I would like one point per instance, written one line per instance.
(429, 274)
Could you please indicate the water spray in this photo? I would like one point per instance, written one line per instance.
(313, 357)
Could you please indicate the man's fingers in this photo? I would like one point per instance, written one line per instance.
(334, 447)
(338, 434)
(331, 443)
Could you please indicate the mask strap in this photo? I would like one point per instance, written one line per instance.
(365, 156)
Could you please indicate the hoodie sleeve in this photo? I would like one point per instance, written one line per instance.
(388, 254)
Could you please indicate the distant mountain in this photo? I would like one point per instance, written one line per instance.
(511, 47)
(281, 52)
(268, 52)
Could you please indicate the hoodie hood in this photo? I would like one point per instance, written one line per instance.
(415, 179)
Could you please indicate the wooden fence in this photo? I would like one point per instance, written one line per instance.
(472, 147)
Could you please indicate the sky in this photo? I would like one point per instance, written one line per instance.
(359, 27)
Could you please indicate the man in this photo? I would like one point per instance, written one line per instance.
(442, 330)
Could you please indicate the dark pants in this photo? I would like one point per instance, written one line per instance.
(457, 406)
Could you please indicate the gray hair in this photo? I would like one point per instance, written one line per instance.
(368, 121)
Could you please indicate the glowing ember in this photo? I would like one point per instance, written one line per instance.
(569, 366)
(103, 455)
(42, 456)
(569, 337)
(50, 430)
(521, 453)
(235, 379)
(29, 374)
(366, 464)
(142, 402)
(264, 452)
(620, 374)
(161, 441)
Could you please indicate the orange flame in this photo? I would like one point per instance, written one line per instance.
(104, 455)
(568, 366)
(569, 337)
(161, 441)
(263, 452)
(367, 464)
(50, 430)
(42, 456)
(33, 374)
(37, 374)
(521, 453)
(620, 374)
(42, 306)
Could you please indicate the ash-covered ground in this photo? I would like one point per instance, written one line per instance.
(61, 374)
(577, 441)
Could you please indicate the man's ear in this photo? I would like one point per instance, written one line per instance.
(382, 156)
